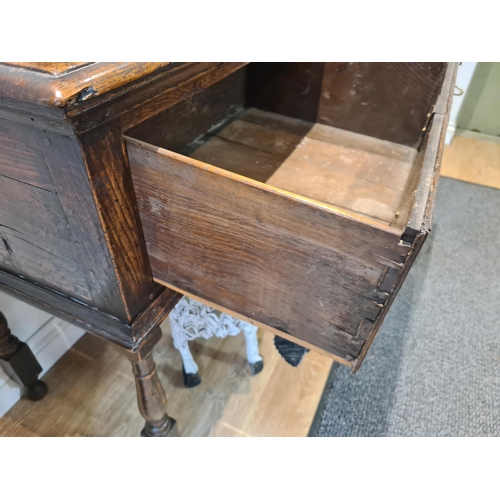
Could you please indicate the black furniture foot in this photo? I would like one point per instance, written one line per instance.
(190, 379)
(37, 391)
(19, 362)
(256, 367)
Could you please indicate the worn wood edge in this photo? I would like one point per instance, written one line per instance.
(35, 116)
(432, 157)
(130, 336)
(61, 90)
(113, 244)
(48, 67)
(417, 245)
(149, 96)
(446, 117)
(154, 314)
(427, 173)
(291, 338)
(240, 179)
(75, 312)
(445, 98)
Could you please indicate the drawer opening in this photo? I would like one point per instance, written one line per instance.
(283, 124)
(281, 196)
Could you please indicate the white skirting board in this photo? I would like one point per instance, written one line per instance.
(450, 132)
(48, 344)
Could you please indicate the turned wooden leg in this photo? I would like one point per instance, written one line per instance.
(151, 398)
(150, 394)
(19, 362)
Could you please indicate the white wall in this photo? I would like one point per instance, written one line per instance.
(464, 77)
(48, 337)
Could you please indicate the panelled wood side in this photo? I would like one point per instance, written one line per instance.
(37, 239)
(297, 266)
(69, 220)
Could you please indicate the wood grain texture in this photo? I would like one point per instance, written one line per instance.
(292, 89)
(331, 135)
(420, 221)
(51, 68)
(183, 123)
(300, 268)
(21, 157)
(416, 208)
(85, 180)
(412, 210)
(58, 85)
(36, 241)
(91, 254)
(364, 174)
(120, 332)
(113, 194)
(256, 323)
(372, 329)
(92, 392)
(138, 101)
(389, 101)
(151, 396)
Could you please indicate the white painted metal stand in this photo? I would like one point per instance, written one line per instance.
(191, 319)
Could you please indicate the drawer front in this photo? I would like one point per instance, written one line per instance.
(296, 266)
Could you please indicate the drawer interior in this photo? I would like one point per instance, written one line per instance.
(278, 144)
(351, 171)
(294, 195)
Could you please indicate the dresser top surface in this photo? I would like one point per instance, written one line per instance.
(59, 84)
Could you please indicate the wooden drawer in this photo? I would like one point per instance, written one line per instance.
(296, 195)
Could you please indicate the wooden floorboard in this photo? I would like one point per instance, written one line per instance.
(92, 392)
(473, 161)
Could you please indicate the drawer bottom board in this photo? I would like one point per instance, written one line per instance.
(362, 174)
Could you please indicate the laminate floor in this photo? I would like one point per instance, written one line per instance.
(92, 390)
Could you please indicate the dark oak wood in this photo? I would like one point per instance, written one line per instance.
(291, 89)
(140, 101)
(152, 399)
(150, 393)
(111, 183)
(419, 223)
(259, 249)
(21, 156)
(118, 331)
(37, 241)
(62, 84)
(185, 122)
(306, 255)
(308, 229)
(390, 101)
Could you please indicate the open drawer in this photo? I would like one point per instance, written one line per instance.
(295, 196)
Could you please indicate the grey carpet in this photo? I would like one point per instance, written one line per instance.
(434, 367)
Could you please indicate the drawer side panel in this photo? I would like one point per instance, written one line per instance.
(283, 261)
